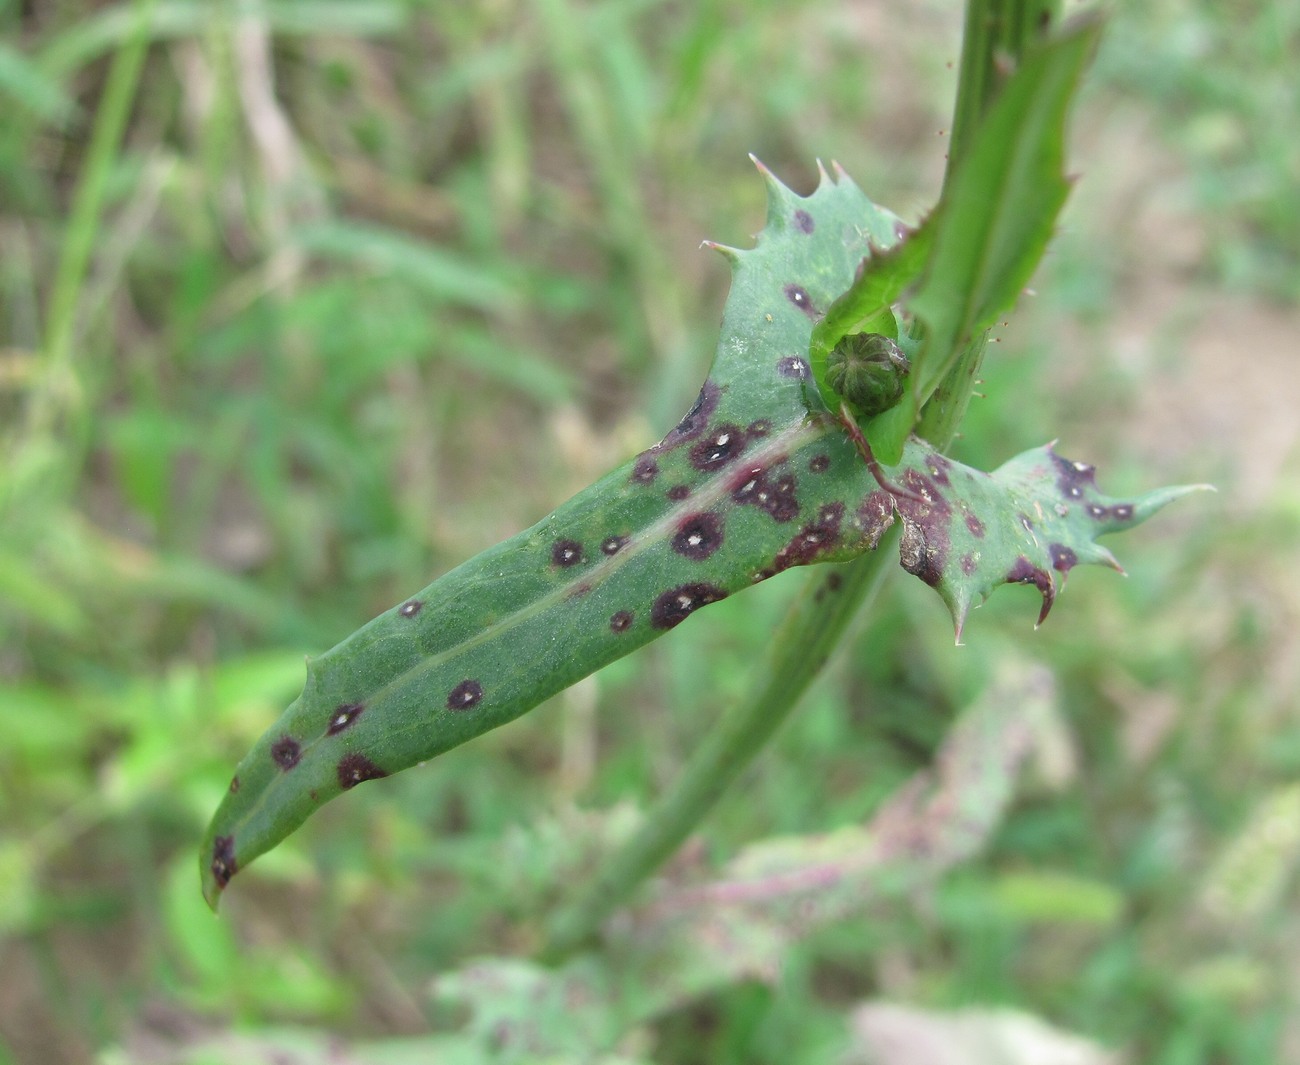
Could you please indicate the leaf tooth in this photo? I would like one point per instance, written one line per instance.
(732, 255)
(1103, 556)
(960, 609)
(780, 198)
(1049, 597)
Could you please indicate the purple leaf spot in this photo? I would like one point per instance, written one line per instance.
(975, 526)
(565, 553)
(774, 496)
(696, 419)
(819, 463)
(645, 470)
(698, 536)
(677, 604)
(1073, 478)
(939, 467)
(800, 298)
(803, 221)
(620, 620)
(1063, 558)
(285, 752)
(814, 539)
(761, 427)
(410, 608)
(717, 449)
(224, 865)
(612, 545)
(355, 768)
(793, 366)
(344, 716)
(678, 492)
(234, 785)
(465, 695)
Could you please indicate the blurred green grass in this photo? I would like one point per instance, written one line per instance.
(365, 287)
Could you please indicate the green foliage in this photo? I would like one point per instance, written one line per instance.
(750, 483)
(993, 222)
(278, 441)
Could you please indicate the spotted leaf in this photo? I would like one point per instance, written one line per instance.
(756, 478)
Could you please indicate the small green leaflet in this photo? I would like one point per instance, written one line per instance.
(993, 223)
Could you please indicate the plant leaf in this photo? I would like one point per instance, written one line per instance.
(993, 222)
(750, 482)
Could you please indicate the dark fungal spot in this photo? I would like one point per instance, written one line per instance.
(874, 517)
(923, 551)
(819, 463)
(975, 526)
(793, 366)
(1096, 510)
(939, 467)
(800, 298)
(612, 545)
(775, 496)
(696, 419)
(698, 536)
(678, 492)
(234, 785)
(925, 542)
(814, 539)
(1063, 558)
(1025, 572)
(465, 695)
(644, 470)
(1122, 512)
(718, 448)
(344, 716)
(356, 768)
(565, 553)
(315, 795)
(224, 864)
(674, 606)
(285, 752)
(803, 221)
(620, 620)
(1073, 478)
(410, 608)
(761, 427)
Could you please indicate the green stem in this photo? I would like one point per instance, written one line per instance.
(995, 34)
(802, 644)
(818, 618)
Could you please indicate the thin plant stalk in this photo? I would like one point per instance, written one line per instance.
(59, 389)
(996, 33)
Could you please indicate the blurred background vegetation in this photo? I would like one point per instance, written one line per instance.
(364, 287)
